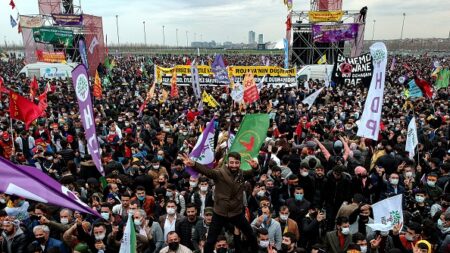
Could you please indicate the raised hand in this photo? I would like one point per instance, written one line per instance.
(187, 161)
(374, 243)
(253, 163)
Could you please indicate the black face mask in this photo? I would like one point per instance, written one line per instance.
(41, 240)
(221, 250)
(284, 247)
(174, 246)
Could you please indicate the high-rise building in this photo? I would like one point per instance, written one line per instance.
(251, 37)
(260, 38)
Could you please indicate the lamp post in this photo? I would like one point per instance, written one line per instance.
(187, 39)
(117, 29)
(177, 36)
(403, 25)
(164, 36)
(373, 30)
(145, 34)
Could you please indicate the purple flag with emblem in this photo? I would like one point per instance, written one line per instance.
(31, 183)
(203, 151)
(81, 85)
(219, 70)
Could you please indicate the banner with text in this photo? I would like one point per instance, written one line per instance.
(325, 16)
(53, 57)
(334, 33)
(68, 19)
(274, 75)
(353, 70)
(52, 35)
(30, 22)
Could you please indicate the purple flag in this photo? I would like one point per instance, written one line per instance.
(334, 33)
(203, 151)
(393, 64)
(31, 183)
(219, 69)
(81, 86)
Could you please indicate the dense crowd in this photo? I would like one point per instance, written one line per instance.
(310, 190)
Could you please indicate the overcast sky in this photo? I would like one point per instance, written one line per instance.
(230, 20)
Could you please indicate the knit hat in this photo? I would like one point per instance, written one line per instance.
(82, 248)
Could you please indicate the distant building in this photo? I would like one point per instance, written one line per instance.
(260, 38)
(203, 44)
(251, 37)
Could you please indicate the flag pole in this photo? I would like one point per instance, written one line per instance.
(12, 133)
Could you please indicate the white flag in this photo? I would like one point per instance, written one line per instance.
(411, 139)
(312, 98)
(261, 84)
(128, 244)
(237, 94)
(94, 43)
(370, 120)
(388, 212)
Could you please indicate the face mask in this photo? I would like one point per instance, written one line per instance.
(130, 212)
(384, 233)
(105, 216)
(137, 222)
(174, 246)
(284, 247)
(159, 157)
(409, 174)
(304, 173)
(394, 181)
(431, 183)
(203, 188)
(100, 237)
(170, 211)
(284, 217)
(64, 221)
(263, 244)
(363, 249)
(3, 201)
(169, 194)
(155, 167)
(141, 198)
(409, 238)
(345, 231)
(299, 197)
(261, 194)
(41, 240)
(420, 199)
(193, 184)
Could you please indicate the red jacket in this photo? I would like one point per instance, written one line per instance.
(190, 116)
(148, 205)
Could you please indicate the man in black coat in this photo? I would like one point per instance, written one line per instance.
(185, 228)
(13, 238)
(338, 189)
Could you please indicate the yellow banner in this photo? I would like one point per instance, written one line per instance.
(233, 71)
(325, 16)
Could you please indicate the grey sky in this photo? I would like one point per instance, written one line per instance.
(230, 20)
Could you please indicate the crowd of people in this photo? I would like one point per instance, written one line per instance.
(310, 188)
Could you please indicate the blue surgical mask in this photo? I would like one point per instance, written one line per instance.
(141, 198)
(159, 157)
(298, 197)
(105, 215)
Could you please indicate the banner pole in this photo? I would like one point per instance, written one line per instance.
(12, 133)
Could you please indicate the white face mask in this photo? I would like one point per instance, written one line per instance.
(264, 244)
(193, 184)
(420, 199)
(284, 217)
(100, 237)
(304, 173)
(64, 221)
(3, 201)
(261, 193)
(155, 167)
(137, 222)
(394, 181)
(409, 174)
(203, 188)
(170, 211)
(345, 231)
(363, 248)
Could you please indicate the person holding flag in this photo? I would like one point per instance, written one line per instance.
(228, 197)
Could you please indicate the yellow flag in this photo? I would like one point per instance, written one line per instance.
(151, 92)
(164, 96)
(322, 59)
(209, 100)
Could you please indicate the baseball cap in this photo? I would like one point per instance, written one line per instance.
(208, 210)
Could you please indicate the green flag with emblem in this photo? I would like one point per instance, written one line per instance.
(250, 137)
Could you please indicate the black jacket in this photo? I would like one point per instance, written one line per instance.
(19, 243)
(185, 230)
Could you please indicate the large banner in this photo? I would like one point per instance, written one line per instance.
(53, 57)
(334, 33)
(354, 71)
(30, 22)
(325, 16)
(52, 35)
(81, 85)
(387, 213)
(369, 125)
(274, 75)
(68, 19)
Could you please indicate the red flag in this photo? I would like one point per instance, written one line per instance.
(250, 90)
(97, 92)
(173, 86)
(23, 109)
(188, 62)
(43, 103)
(425, 87)
(12, 4)
(406, 66)
(3, 89)
(33, 88)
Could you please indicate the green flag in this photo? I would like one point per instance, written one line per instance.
(250, 137)
(107, 63)
(442, 79)
(128, 243)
